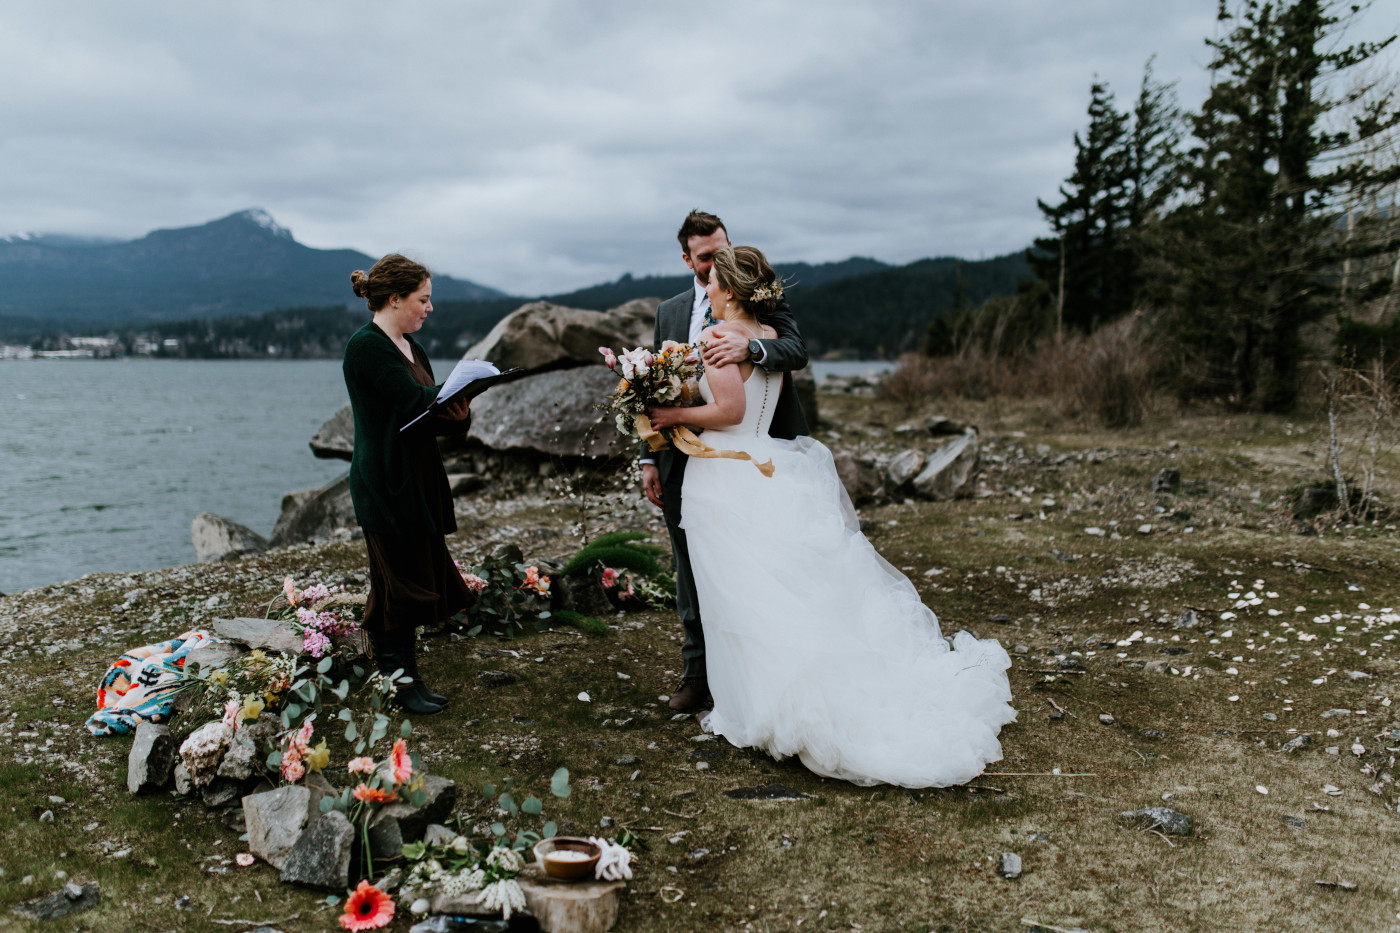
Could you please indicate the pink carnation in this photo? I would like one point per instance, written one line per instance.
(362, 765)
(315, 643)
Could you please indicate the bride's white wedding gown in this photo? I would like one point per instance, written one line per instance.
(815, 645)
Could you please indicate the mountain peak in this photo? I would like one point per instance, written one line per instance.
(261, 218)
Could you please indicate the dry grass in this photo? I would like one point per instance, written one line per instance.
(874, 859)
(1104, 377)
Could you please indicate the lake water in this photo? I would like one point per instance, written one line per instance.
(103, 464)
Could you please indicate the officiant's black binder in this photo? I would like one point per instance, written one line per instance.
(469, 391)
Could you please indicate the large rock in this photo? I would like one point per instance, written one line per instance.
(336, 438)
(441, 798)
(314, 514)
(551, 413)
(541, 335)
(212, 653)
(272, 634)
(277, 819)
(152, 759)
(903, 467)
(216, 538)
(321, 855)
(950, 471)
(859, 475)
(202, 752)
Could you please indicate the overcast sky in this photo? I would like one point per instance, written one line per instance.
(541, 146)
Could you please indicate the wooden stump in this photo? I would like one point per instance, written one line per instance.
(570, 906)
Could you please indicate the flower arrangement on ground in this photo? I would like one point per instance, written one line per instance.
(320, 613)
(507, 593)
(668, 377)
(628, 570)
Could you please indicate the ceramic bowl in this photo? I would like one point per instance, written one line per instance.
(571, 868)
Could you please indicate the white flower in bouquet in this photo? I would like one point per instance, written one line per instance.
(505, 859)
(504, 896)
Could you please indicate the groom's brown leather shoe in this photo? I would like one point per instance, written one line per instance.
(692, 694)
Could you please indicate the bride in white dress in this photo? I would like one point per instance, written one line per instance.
(816, 645)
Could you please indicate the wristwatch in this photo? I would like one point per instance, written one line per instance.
(755, 350)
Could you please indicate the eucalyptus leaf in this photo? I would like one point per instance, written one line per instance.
(532, 806)
(474, 630)
(344, 714)
(499, 829)
(324, 666)
(342, 691)
(351, 731)
(545, 614)
(413, 851)
(549, 830)
(327, 804)
(406, 729)
(293, 710)
(358, 671)
(274, 760)
(332, 899)
(559, 784)
(489, 791)
(507, 803)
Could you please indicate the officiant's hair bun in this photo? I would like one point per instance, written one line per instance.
(745, 271)
(390, 276)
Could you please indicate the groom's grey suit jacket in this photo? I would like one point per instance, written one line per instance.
(785, 352)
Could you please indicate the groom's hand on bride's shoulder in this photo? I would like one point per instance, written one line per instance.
(726, 345)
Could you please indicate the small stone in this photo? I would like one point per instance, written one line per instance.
(1021, 649)
(606, 822)
(1166, 480)
(1096, 532)
(46, 816)
(72, 899)
(626, 761)
(1158, 666)
(702, 766)
(679, 717)
(1144, 529)
(497, 678)
(1271, 717)
(1294, 822)
(1187, 620)
(184, 903)
(1333, 713)
(766, 792)
(698, 854)
(1106, 719)
(420, 906)
(1152, 733)
(1297, 743)
(56, 800)
(1000, 618)
(1162, 818)
(1038, 837)
(1009, 865)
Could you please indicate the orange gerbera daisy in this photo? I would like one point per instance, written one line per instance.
(367, 908)
(374, 794)
(400, 762)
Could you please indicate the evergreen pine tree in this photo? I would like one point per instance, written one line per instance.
(1244, 262)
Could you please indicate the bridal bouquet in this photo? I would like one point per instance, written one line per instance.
(668, 377)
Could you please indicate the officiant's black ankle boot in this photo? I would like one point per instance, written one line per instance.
(409, 643)
(389, 657)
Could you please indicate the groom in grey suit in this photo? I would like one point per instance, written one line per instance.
(682, 318)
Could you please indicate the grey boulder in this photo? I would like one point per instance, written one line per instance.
(271, 634)
(277, 818)
(336, 438)
(320, 857)
(541, 335)
(551, 413)
(950, 472)
(314, 514)
(216, 538)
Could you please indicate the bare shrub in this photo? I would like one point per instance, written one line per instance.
(1107, 373)
(913, 379)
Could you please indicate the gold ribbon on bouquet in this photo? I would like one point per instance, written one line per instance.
(684, 440)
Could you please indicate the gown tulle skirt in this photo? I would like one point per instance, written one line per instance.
(815, 645)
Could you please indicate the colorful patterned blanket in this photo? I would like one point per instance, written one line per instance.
(141, 684)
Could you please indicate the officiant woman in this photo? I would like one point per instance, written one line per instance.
(397, 481)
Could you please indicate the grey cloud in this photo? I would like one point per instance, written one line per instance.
(541, 146)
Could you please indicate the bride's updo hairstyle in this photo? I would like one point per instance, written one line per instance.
(393, 275)
(744, 271)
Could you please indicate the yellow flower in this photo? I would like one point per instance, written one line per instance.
(219, 677)
(319, 757)
(257, 656)
(252, 708)
(270, 696)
